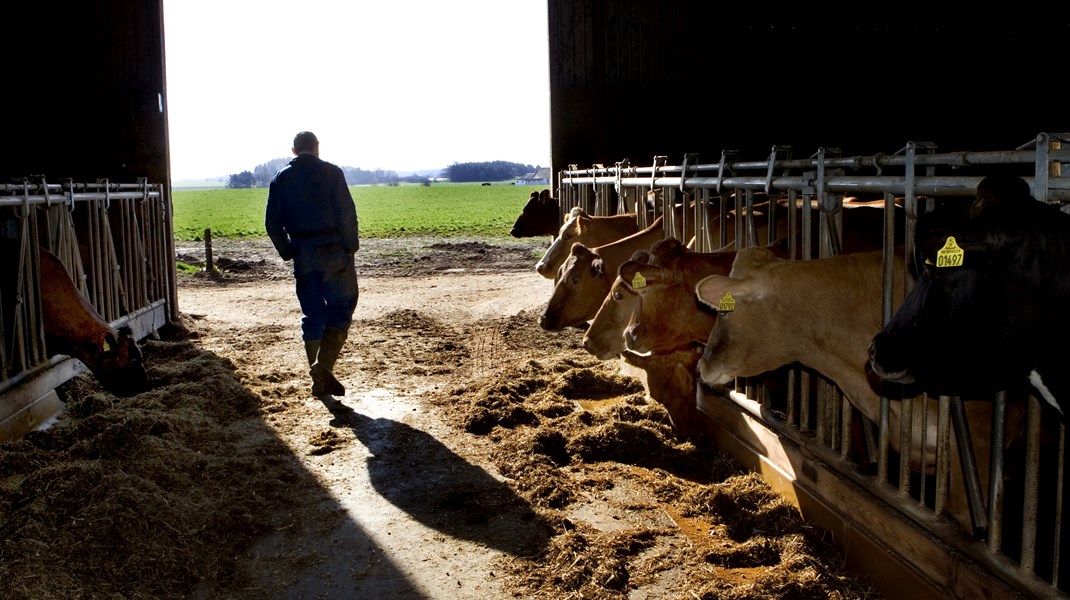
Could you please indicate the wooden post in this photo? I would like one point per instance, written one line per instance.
(209, 267)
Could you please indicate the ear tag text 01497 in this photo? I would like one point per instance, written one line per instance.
(727, 303)
(950, 255)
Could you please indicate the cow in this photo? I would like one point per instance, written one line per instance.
(540, 216)
(664, 281)
(665, 313)
(586, 276)
(73, 327)
(821, 313)
(603, 338)
(582, 228)
(988, 311)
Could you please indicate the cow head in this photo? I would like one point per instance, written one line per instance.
(604, 337)
(985, 308)
(667, 314)
(538, 217)
(581, 286)
(739, 325)
(554, 257)
(119, 364)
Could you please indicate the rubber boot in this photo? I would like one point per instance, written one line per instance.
(322, 371)
(312, 349)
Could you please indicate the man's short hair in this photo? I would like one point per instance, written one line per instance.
(305, 142)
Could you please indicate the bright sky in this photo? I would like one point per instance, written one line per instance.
(399, 85)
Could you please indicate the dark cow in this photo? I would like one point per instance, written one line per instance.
(73, 327)
(540, 216)
(989, 310)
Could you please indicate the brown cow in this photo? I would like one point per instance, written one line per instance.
(587, 275)
(672, 270)
(823, 314)
(540, 216)
(603, 337)
(73, 327)
(581, 228)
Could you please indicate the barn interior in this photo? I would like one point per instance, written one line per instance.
(629, 81)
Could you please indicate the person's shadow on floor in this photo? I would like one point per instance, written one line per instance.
(438, 488)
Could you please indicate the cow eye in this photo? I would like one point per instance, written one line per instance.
(618, 296)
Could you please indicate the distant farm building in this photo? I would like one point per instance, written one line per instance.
(541, 176)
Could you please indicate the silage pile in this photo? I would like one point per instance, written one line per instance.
(150, 496)
(730, 536)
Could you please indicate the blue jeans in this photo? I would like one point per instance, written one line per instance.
(326, 278)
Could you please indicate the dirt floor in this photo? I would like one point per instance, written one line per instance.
(473, 455)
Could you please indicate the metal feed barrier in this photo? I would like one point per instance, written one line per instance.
(117, 244)
(801, 438)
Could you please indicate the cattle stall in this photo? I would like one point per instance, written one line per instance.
(991, 525)
(115, 241)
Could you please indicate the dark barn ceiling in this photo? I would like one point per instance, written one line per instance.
(628, 79)
(633, 79)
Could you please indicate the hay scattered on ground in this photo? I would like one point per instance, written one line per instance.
(159, 495)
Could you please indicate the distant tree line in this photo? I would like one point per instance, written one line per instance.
(498, 170)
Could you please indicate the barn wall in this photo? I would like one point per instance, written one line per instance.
(632, 79)
(89, 99)
(86, 140)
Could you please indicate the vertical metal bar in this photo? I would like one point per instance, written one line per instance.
(923, 428)
(846, 421)
(793, 224)
(752, 234)
(1041, 169)
(968, 463)
(1059, 501)
(906, 427)
(943, 453)
(1032, 481)
(792, 400)
(883, 442)
(997, 440)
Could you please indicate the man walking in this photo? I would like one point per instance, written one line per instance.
(311, 219)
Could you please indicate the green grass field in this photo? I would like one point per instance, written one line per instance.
(442, 209)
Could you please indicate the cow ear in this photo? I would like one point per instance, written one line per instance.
(544, 195)
(712, 290)
(581, 251)
(995, 191)
(598, 267)
(110, 344)
(751, 258)
(641, 256)
(639, 275)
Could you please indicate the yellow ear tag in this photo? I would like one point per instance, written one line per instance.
(638, 281)
(950, 255)
(107, 346)
(727, 303)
